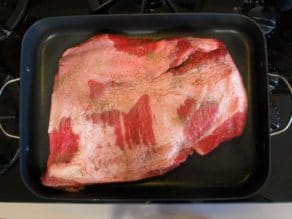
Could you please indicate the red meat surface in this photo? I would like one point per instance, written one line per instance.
(125, 109)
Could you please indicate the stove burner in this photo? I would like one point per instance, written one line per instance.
(9, 147)
(11, 13)
(6, 8)
(280, 46)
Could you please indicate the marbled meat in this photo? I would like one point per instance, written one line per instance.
(125, 109)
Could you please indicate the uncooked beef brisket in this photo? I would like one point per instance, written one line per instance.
(125, 109)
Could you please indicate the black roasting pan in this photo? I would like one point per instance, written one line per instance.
(236, 169)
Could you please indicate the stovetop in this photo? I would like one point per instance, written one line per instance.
(274, 19)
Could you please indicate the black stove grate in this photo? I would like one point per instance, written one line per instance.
(279, 52)
(144, 6)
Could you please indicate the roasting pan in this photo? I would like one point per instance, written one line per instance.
(236, 169)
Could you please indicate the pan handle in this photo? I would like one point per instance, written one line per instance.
(1, 91)
(286, 127)
(5, 167)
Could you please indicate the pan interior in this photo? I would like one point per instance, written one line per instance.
(230, 167)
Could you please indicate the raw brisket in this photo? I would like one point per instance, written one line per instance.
(125, 108)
